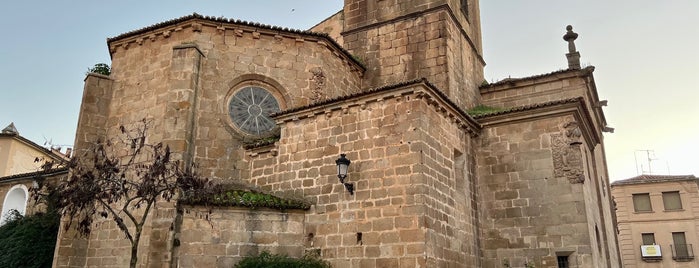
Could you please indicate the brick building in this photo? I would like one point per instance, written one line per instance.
(658, 220)
(447, 171)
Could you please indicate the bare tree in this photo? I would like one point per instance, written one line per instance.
(122, 179)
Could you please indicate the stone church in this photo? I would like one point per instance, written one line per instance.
(446, 170)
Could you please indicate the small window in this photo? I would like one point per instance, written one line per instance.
(672, 201)
(648, 239)
(563, 261)
(464, 8)
(641, 203)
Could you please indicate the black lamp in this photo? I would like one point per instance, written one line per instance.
(342, 166)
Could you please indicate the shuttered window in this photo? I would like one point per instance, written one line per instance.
(680, 244)
(641, 203)
(672, 200)
(648, 239)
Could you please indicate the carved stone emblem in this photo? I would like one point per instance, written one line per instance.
(318, 85)
(567, 157)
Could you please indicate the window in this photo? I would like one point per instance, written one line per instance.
(250, 108)
(563, 262)
(681, 251)
(648, 239)
(464, 8)
(672, 201)
(641, 203)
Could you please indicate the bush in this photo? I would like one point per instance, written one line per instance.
(28, 241)
(100, 68)
(267, 260)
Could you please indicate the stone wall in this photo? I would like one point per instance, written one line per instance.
(531, 214)
(220, 237)
(297, 70)
(559, 85)
(409, 40)
(71, 248)
(333, 26)
(447, 191)
(179, 80)
(409, 204)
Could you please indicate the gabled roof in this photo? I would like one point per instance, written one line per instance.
(11, 132)
(10, 129)
(643, 179)
(211, 19)
(237, 22)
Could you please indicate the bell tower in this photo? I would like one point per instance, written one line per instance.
(403, 40)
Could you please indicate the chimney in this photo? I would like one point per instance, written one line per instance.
(573, 55)
(69, 151)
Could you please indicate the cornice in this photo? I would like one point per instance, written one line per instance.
(32, 175)
(196, 22)
(514, 83)
(420, 89)
(575, 107)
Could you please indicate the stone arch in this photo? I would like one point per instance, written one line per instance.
(279, 91)
(16, 198)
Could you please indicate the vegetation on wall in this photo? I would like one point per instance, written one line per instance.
(100, 68)
(483, 110)
(29, 241)
(267, 260)
(234, 196)
(255, 143)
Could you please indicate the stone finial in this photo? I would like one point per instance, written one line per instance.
(570, 37)
(10, 129)
(573, 55)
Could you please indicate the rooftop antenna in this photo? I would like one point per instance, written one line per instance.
(648, 158)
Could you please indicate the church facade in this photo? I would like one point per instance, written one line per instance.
(446, 170)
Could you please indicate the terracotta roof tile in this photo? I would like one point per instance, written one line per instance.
(233, 21)
(530, 107)
(386, 88)
(380, 89)
(588, 69)
(642, 179)
(29, 175)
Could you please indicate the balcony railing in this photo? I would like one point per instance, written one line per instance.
(682, 252)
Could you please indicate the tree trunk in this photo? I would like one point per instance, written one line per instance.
(134, 254)
(134, 248)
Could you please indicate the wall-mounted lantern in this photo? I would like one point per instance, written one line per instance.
(342, 167)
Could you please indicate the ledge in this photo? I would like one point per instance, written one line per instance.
(234, 196)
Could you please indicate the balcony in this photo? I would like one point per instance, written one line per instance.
(682, 252)
(651, 253)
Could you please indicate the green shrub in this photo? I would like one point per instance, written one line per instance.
(267, 260)
(28, 241)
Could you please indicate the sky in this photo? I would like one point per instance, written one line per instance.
(644, 51)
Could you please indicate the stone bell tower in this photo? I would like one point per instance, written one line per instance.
(402, 40)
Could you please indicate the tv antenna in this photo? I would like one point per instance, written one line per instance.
(650, 157)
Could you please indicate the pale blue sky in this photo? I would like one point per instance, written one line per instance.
(644, 51)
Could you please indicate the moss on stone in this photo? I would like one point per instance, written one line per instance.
(255, 143)
(483, 110)
(232, 196)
